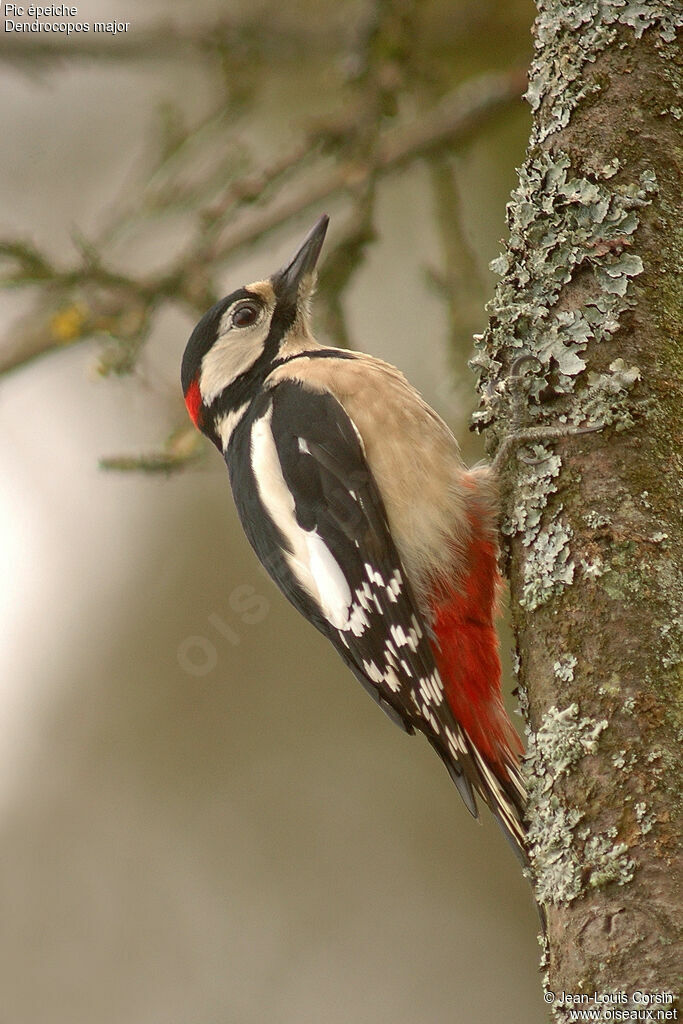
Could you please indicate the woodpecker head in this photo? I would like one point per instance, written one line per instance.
(236, 342)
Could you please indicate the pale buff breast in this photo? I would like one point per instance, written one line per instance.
(412, 454)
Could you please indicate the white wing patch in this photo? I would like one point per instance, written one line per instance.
(358, 620)
(404, 639)
(333, 590)
(311, 561)
(374, 576)
(394, 586)
(456, 743)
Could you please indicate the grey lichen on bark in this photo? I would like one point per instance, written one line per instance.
(591, 287)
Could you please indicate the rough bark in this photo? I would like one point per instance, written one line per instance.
(591, 286)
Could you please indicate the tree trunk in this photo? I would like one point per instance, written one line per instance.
(591, 288)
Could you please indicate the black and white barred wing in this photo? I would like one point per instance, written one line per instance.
(314, 515)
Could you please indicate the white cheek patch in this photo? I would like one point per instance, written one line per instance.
(229, 358)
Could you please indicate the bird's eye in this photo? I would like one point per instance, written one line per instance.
(245, 315)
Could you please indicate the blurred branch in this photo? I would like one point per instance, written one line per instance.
(341, 263)
(450, 122)
(376, 95)
(459, 282)
(184, 447)
(121, 306)
(383, 63)
(29, 266)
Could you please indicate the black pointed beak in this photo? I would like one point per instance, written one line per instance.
(287, 280)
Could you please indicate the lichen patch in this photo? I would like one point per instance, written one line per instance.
(568, 37)
(558, 863)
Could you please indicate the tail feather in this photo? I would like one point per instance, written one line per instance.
(502, 790)
(464, 786)
(506, 800)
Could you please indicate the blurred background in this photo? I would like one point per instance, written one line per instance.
(203, 818)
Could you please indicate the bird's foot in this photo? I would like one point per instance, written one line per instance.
(520, 435)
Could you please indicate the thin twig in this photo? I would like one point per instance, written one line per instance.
(463, 111)
(189, 279)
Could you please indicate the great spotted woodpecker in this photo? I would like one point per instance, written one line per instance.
(354, 496)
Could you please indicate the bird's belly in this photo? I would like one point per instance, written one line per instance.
(425, 505)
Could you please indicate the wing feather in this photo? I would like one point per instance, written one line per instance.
(329, 547)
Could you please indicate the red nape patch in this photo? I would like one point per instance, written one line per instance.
(193, 401)
(466, 655)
